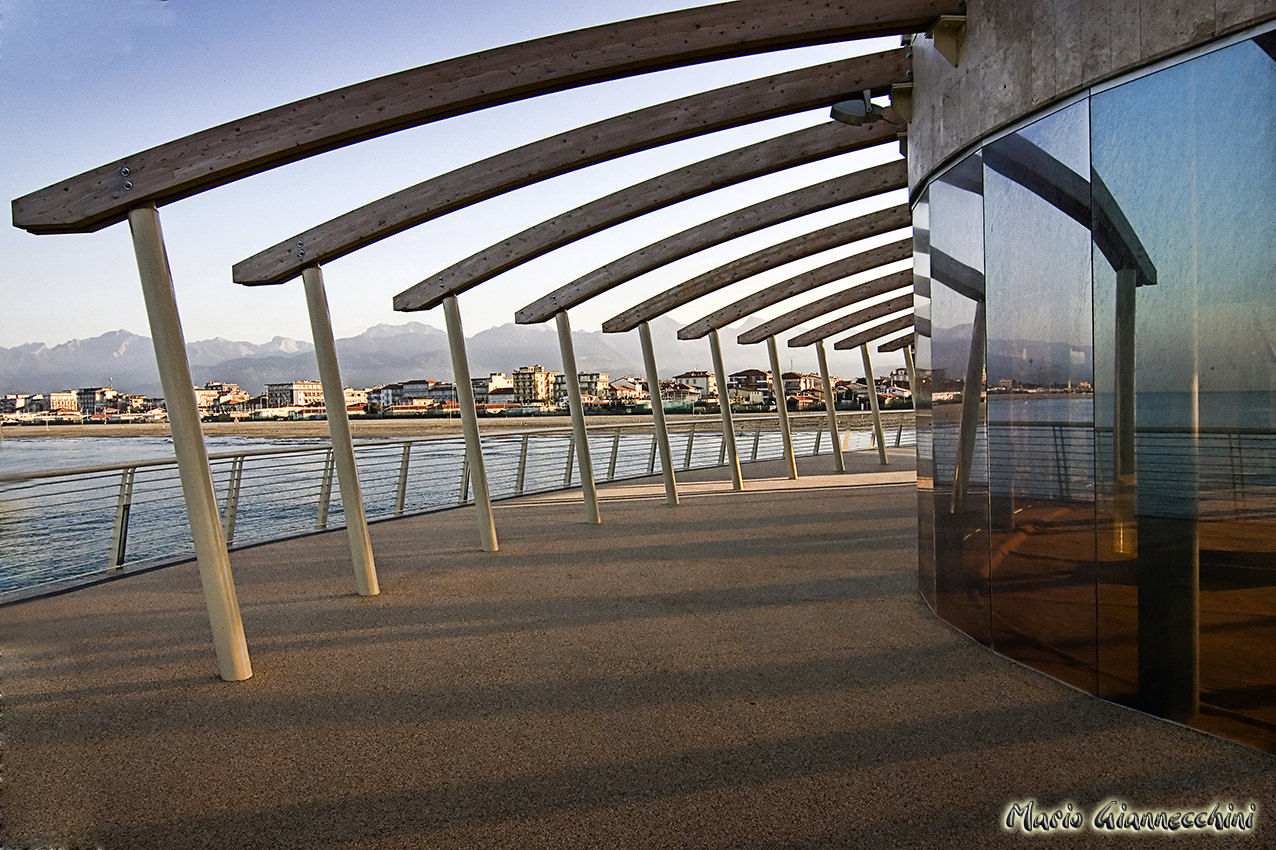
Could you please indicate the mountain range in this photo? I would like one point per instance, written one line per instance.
(381, 354)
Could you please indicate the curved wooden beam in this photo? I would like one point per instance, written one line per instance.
(845, 298)
(820, 196)
(651, 257)
(787, 151)
(897, 344)
(796, 285)
(410, 98)
(699, 114)
(859, 317)
(902, 323)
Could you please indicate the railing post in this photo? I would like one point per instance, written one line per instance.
(325, 492)
(572, 378)
(401, 489)
(469, 423)
(334, 402)
(691, 438)
(830, 404)
(781, 407)
(119, 534)
(521, 476)
(819, 436)
(615, 450)
(757, 437)
(232, 498)
(571, 455)
(465, 482)
(188, 444)
(659, 427)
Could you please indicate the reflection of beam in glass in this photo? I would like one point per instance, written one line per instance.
(969, 282)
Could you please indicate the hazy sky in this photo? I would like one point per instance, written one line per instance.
(84, 82)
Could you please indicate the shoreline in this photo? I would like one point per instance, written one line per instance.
(368, 429)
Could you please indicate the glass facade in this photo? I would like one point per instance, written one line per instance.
(1096, 352)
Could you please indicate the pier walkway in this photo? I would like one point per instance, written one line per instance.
(747, 670)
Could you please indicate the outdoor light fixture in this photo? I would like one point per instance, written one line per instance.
(858, 111)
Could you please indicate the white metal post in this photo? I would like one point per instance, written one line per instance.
(724, 407)
(334, 402)
(401, 487)
(661, 432)
(912, 374)
(233, 483)
(781, 407)
(469, 423)
(188, 444)
(123, 505)
(872, 403)
(830, 404)
(572, 379)
(325, 492)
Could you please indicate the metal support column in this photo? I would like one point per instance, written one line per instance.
(469, 423)
(658, 414)
(724, 406)
(912, 374)
(1123, 521)
(971, 396)
(878, 437)
(188, 445)
(830, 404)
(781, 408)
(572, 378)
(334, 402)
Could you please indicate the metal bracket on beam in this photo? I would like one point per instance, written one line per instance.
(902, 100)
(949, 34)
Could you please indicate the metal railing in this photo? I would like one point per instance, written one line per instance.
(73, 525)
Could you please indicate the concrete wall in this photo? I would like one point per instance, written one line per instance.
(1020, 55)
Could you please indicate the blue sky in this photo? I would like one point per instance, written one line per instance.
(84, 82)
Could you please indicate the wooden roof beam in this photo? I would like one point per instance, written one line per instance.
(295, 131)
(821, 196)
(776, 154)
(845, 298)
(834, 271)
(642, 129)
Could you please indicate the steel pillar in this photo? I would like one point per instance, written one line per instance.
(334, 402)
(572, 379)
(658, 414)
(469, 424)
(781, 407)
(724, 406)
(188, 444)
(872, 403)
(830, 407)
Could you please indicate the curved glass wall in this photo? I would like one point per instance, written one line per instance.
(1096, 349)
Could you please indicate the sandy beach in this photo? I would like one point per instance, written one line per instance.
(371, 429)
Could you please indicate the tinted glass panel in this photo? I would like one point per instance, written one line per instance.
(960, 470)
(1040, 399)
(1185, 319)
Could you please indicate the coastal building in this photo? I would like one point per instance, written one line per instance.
(295, 394)
(595, 384)
(533, 384)
(704, 381)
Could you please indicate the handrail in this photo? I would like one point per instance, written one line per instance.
(88, 511)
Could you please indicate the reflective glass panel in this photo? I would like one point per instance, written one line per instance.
(1040, 398)
(1185, 375)
(960, 471)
